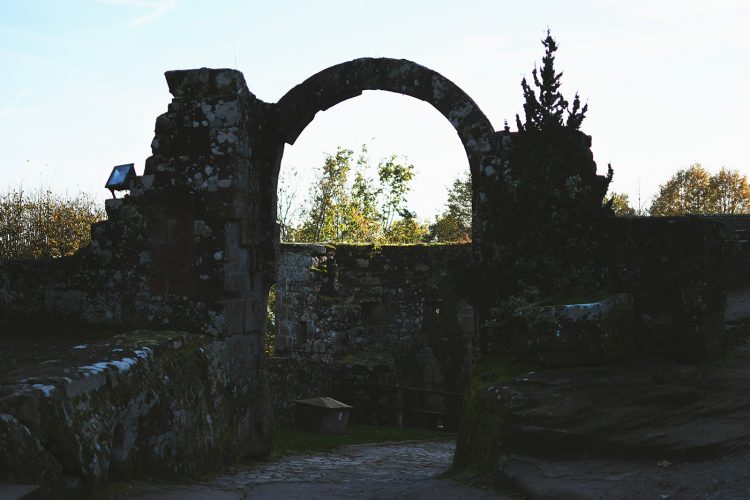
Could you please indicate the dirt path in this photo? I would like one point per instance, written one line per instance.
(382, 471)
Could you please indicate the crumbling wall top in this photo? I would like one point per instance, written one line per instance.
(205, 82)
(297, 108)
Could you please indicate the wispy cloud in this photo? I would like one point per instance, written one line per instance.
(153, 9)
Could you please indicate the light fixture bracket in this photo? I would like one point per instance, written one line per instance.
(119, 179)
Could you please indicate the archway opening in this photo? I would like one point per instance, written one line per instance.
(393, 318)
(381, 168)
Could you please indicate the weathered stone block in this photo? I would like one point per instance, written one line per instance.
(206, 82)
(158, 403)
(595, 332)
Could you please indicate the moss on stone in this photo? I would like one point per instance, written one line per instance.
(483, 429)
(368, 358)
(327, 300)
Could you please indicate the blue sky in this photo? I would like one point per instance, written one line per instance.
(82, 80)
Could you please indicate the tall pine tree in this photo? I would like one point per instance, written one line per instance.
(547, 111)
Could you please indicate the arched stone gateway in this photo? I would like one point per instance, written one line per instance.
(193, 248)
(298, 107)
(338, 83)
(304, 318)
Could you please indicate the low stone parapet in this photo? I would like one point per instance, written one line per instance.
(578, 333)
(143, 404)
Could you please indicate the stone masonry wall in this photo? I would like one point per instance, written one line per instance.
(357, 300)
(736, 248)
(292, 378)
(388, 317)
(144, 404)
(675, 269)
(190, 248)
(193, 247)
(186, 247)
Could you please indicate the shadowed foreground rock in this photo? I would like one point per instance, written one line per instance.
(631, 430)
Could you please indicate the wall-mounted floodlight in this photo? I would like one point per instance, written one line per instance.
(118, 179)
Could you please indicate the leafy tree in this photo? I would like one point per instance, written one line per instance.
(620, 203)
(325, 218)
(406, 230)
(447, 229)
(394, 181)
(454, 224)
(695, 191)
(45, 224)
(364, 216)
(547, 111)
(687, 192)
(362, 211)
(730, 192)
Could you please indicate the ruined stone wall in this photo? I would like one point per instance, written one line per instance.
(144, 404)
(736, 248)
(386, 317)
(675, 269)
(68, 289)
(292, 378)
(187, 247)
(381, 300)
(190, 247)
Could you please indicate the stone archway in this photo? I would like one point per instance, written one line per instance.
(291, 115)
(336, 84)
(298, 107)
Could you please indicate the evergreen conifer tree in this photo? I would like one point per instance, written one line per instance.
(546, 112)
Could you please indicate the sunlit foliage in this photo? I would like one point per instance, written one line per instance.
(454, 223)
(696, 191)
(35, 224)
(362, 210)
(620, 204)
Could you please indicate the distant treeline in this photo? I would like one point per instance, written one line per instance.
(693, 191)
(40, 223)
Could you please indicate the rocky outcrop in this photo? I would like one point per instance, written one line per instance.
(580, 432)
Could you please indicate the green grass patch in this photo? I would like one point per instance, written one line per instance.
(291, 441)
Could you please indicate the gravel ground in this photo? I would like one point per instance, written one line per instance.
(381, 471)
